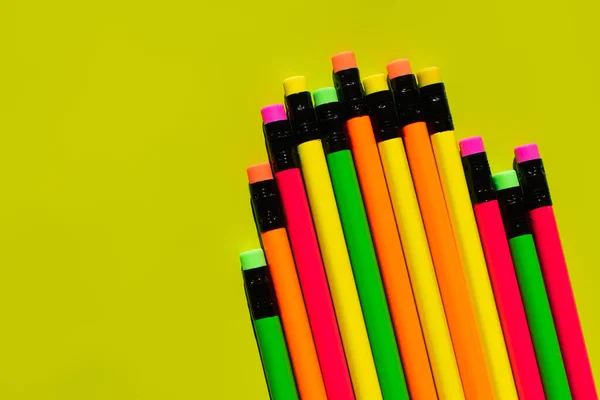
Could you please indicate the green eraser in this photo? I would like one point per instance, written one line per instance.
(505, 180)
(253, 259)
(324, 96)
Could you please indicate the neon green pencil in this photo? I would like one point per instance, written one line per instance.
(267, 326)
(531, 283)
(360, 247)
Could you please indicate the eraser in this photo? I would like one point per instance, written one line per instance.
(293, 85)
(259, 172)
(342, 61)
(399, 68)
(272, 113)
(505, 180)
(472, 145)
(252, 259)
(429, 76)
(325, 96)
(527, 152)
(375, 83)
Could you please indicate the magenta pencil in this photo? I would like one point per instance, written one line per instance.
(501, 270)
(311, 272)
(532, 177)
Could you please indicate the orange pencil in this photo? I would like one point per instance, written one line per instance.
(269, 219)
(451, 278)
(384, 230)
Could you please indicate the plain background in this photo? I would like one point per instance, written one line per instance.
(123, 210)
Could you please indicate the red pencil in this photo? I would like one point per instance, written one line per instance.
(532, 177)
(501, 270)
(305, 247)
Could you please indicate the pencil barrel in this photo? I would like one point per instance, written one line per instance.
(536, 192)
(293, 314)
(508, 299)
(339, 271)
(276, 362)
(421, 270)
(452, 282)
(391, 259)
(562, 302)
(539, 316)
(313, 281)
(366, 272)
(456, 193)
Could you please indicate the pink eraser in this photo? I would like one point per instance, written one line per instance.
(527, 152)
(472, 145)
(272, 113)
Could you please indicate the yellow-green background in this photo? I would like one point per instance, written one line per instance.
(122, 211)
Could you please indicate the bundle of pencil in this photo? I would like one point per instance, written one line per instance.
(394, 264)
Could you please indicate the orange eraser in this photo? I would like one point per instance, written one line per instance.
(399, 68)
(259, 172)
(342, 61)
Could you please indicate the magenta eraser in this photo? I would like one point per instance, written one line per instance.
(472, 145)
(272, 113)
(527, 152)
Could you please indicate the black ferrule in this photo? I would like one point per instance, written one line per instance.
(333, 127)
(267, 205)
(514, 214)
(281, 145)
(408, 99)
(260, 292)
(302, 117)
(350, 92)
(532, 177)
(437, 110)
(479, 178)
(383, 115)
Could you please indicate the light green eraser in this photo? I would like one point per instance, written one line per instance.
(253, 259)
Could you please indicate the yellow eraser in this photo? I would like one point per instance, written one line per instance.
(429, 76)
(375, 83)
(295, 84)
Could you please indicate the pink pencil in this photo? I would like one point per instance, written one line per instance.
(303, 239)
(501, 270)
(532, 177)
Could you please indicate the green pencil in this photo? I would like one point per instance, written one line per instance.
(267, 326)
(531, 283)
(360, 246)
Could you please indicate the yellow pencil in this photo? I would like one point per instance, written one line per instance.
(414, 239)
(337, 261)
(449, 164)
